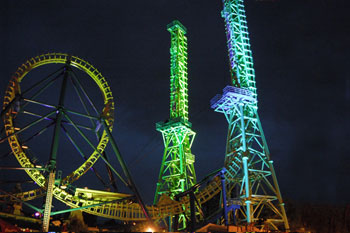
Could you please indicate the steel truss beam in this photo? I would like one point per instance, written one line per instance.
(177, 170)
(14, 103)
(250, 178)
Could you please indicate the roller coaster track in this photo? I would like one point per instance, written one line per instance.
(100, 203)
(13, 92)
(121, 210)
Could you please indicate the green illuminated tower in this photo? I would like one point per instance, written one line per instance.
(250, 177)
(177, 171)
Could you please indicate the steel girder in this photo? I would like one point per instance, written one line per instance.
(177, 170)
(250, 178)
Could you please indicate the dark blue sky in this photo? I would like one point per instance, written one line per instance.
(300, 57)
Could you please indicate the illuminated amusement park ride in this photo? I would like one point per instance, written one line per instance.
(247, 184)
(177, 169)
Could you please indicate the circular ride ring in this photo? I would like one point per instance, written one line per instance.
(13, 91)
(109, 206)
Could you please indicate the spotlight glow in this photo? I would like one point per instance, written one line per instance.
(149, 229)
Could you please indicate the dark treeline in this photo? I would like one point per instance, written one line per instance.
(318, 217)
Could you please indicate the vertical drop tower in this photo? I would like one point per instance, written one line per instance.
(250, 176)
(177, 171)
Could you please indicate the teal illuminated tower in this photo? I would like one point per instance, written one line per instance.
(177, 171)
(250, 176)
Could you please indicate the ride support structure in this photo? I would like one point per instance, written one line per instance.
(21, 101)
(54, 149)
(177, 172)
(17, 104)
(250, 176)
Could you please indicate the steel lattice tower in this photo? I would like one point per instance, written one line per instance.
(250, 177)
(177, 171)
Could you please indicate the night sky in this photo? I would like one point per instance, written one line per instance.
(300, 51)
